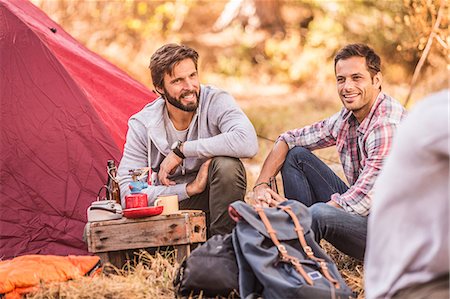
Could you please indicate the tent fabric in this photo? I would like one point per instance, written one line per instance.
(64, 113)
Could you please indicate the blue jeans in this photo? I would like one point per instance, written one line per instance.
(307, 179)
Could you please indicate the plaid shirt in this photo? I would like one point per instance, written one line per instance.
(362, 147)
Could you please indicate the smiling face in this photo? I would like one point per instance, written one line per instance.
(357, 89)
(182, 88)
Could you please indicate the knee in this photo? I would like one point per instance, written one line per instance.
(227, 168)
(320, 211)
(295, 156)
(298, 153)
(226, 164)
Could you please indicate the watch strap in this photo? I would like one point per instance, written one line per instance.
(178, 152)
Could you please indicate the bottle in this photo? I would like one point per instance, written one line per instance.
(112, 190)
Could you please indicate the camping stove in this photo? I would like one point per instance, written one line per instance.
(137, 185)
(137, 199)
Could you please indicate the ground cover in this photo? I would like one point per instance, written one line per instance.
(151, 276)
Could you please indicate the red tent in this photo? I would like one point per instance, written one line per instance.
(64, 113)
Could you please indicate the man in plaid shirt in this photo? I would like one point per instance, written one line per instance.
(362, 133)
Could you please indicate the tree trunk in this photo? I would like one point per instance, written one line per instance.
(252, 15)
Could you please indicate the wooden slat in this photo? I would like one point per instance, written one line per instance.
(182, 251)
(197, 229)
(184, 228)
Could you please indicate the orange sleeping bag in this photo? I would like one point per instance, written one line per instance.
(23, 274)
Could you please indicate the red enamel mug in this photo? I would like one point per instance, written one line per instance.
(136, 200)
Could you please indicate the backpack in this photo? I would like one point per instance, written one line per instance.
(278, 257)
(211, 268)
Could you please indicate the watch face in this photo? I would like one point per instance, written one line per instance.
(175, 145)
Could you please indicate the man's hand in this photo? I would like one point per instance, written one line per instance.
(198, 185)
(334, 204)
(258, 196)
(270, 168)
(265, 197)
(168, 166)
(276, 197)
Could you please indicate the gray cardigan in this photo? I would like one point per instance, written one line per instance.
(219, 128)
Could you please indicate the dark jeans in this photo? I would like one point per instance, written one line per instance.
(227, 183)
(307, 179)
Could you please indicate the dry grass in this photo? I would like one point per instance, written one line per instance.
(351, 269)
(151, 277)
(148, 277)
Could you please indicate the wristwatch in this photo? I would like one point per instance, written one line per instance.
(176, 149)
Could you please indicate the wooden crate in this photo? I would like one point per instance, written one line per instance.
(112, 239)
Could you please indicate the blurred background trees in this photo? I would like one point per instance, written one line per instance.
(274, 56)
(268, 41)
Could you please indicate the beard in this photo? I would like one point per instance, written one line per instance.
(177, 101)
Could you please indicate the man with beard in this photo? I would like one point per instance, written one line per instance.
(362, 133)
(191, 137)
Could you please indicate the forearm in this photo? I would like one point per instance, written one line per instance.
(154, 191)
(193, 188)
(224, 130)
(273, 162)
(319, 135)
(355, 200)
(240, 143)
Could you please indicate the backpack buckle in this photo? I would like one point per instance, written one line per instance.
(282, 249)
(308, 251)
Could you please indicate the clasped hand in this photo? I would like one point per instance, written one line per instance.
(198, 185)
(168, 166)
(265, 197)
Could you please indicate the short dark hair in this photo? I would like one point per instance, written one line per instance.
(373, 61)
(165, 58)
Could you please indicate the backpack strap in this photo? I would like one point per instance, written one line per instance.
(307, 249)
(281, 249)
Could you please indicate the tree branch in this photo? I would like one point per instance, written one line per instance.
(425, 53)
